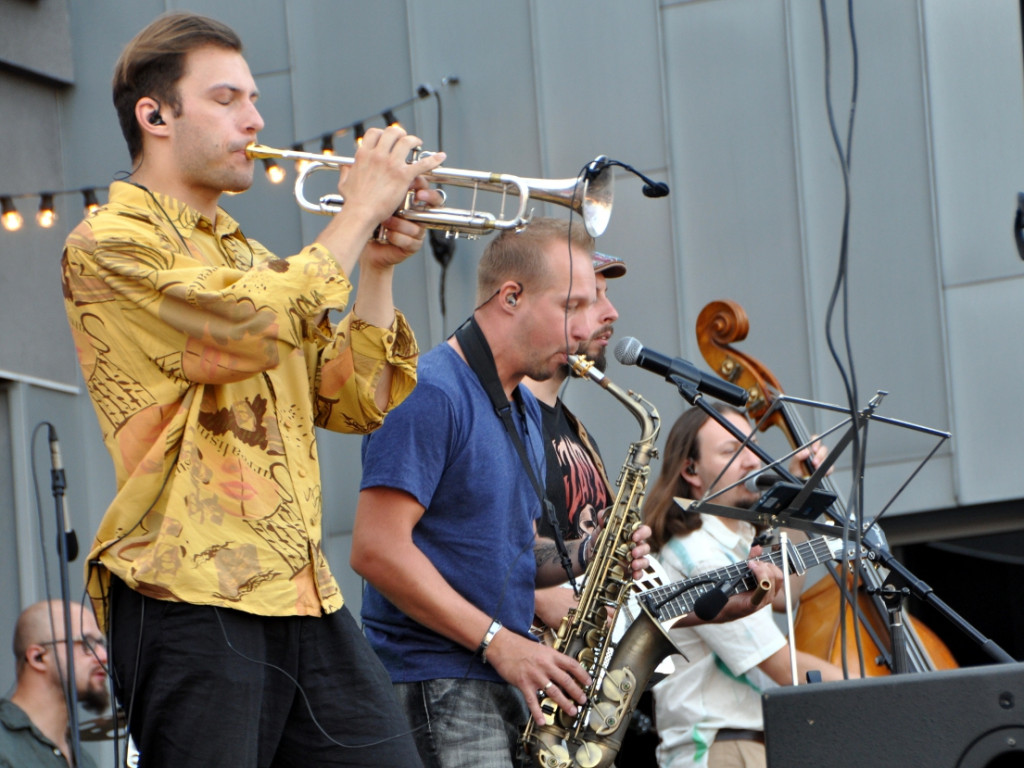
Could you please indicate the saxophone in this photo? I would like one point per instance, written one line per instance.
(620, 670)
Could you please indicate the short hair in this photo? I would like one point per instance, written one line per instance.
(154, 61)
(665, 518)
(513, 255)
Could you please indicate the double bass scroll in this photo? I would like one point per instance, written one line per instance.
(819, 623)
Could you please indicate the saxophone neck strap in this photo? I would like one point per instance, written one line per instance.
(480, 358)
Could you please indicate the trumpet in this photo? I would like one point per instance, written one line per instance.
(589, 195)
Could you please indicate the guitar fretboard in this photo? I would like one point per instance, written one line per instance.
(677, 599)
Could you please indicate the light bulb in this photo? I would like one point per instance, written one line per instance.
(9, 215)
(46, 217)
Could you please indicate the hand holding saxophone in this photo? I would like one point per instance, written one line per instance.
(539, 672)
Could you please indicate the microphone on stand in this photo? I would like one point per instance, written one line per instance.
(630, 351)
(70, 547)
(711, 603)
(763, 481)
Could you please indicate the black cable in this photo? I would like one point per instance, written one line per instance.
(442, 246)
(651, 187)
(305, 698)
(841, 286)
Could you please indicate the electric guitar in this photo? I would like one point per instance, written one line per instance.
(669, 602)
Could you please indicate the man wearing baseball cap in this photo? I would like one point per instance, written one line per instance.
(577, 484)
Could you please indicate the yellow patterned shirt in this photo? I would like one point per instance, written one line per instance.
(209, 371)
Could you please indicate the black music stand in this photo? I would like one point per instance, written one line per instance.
(797, 504)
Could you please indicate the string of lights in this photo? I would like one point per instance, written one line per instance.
(46, 215)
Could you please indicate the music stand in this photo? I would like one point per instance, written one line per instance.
(797, 505)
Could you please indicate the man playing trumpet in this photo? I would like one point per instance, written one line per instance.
(210, 363)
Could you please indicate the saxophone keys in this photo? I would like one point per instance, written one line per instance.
(586, 657)
(618, 684)
(588, 755)
(554, 756)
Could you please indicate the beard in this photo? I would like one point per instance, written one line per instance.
(95, 699)
(746, 503)
(596, 353)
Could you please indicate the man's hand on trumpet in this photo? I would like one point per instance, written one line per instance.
(374, 186)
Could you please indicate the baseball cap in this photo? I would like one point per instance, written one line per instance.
(609, 266)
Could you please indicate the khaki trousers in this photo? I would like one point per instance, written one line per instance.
(737, 754)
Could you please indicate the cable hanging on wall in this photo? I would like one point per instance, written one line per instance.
(12, 220)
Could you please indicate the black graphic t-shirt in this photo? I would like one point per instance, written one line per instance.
(576, 483)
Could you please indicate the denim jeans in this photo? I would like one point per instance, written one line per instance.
(463, 723)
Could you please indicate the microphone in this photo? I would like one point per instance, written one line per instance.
(630, 351)
(651, 187)
(763, 481)
(654, 188)
(70, 538)
(711, 603)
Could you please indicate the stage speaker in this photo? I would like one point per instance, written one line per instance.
(959, 718)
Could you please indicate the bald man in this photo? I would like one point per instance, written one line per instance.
(35, 717)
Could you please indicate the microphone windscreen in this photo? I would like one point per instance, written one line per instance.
(710, 604)
(627, 351)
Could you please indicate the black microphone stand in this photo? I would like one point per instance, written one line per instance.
(901, 582)
(58, 485)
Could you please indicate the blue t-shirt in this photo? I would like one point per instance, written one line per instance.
(445, 446)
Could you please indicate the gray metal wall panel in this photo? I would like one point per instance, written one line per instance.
(349, 59)
(37, 342)
(36, 37)
(734, 192)
(92, 146)
(600, 90)
(489, 120)
(31, 138)
(986, 365)
(976, 87)
(896, 320)
(260, 23)
(491, 116)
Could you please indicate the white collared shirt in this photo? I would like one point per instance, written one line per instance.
(720, 686)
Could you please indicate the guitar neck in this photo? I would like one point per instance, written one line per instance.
(677, 599)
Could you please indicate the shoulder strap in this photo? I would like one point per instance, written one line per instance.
(481, 360)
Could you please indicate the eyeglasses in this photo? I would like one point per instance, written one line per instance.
(91, 643)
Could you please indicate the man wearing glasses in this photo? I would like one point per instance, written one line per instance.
(35, 718)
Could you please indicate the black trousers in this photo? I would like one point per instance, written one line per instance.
(205, 686)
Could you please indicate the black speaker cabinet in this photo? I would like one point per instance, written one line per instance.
(960, 718)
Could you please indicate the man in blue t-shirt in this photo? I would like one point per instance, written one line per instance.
(445, 530)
